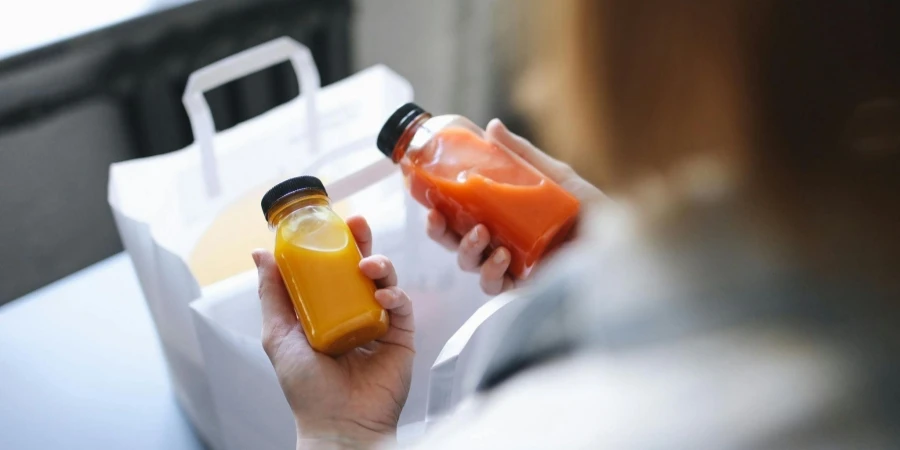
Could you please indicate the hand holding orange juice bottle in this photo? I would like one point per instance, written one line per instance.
(319, 261)
(470, 180)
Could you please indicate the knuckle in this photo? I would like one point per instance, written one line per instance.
(273, 334)
(399, 296)
(465, 247)
(462, 262)
(489, 286)
(435, 219)
(433, 228)
(466, 242)
(261, 291)
(565, 168)
(269, 342)
(385, 265)
(465, 262)
(471, 247)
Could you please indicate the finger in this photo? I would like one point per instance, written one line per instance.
(493, 271)
(557, 170)
(430, 197)
(380, 269)
(497, 132)
(279, 320)
(508, 283)
(471, 248)
(362, 233)
(403, 325)
(436, 227)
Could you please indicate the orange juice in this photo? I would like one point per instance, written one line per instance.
(319, 261)
(453, 168)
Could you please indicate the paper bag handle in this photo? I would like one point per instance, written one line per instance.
(238, 66)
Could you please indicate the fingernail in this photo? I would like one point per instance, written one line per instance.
(473, 236)
(255, 256)
(500, 256)
(386, 295)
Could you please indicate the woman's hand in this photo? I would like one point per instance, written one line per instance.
(471, 247)
(353, 400)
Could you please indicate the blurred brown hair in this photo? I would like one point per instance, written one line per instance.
(799, 101)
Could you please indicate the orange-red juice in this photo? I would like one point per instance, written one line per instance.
(452, 167)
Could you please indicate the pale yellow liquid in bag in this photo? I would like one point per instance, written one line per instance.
(223, 251)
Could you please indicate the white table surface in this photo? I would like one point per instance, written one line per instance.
(81, 367)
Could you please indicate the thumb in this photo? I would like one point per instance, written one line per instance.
(556, 170)
(278, 317)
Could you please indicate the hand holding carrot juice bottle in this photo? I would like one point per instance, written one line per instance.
(450, 166)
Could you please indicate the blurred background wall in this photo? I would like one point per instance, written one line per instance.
(441, 46)
(74, 103)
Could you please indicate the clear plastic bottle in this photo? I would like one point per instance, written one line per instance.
(451, 166)
(319, 260)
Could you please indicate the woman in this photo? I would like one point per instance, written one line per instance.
(741, 288)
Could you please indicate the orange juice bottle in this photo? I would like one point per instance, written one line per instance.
(319, 261)
(450, 166)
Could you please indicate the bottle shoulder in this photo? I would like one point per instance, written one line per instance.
(437, 123)
(313, 227)
(432, 127)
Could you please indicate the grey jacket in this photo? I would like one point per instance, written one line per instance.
(705, 340)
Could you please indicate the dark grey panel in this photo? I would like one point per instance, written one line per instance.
(53, 179)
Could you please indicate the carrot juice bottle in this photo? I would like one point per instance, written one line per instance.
(319, 260)
(450, 166)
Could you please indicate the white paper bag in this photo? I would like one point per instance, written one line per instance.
(163, 204)
(251, 407)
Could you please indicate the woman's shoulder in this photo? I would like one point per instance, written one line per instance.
(623, 342)
(577, 296)
(621, 287)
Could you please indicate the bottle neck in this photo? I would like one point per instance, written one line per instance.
(405, 138)
(286, 206)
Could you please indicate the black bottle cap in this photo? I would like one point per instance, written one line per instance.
(290, 187)
(395, 126)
